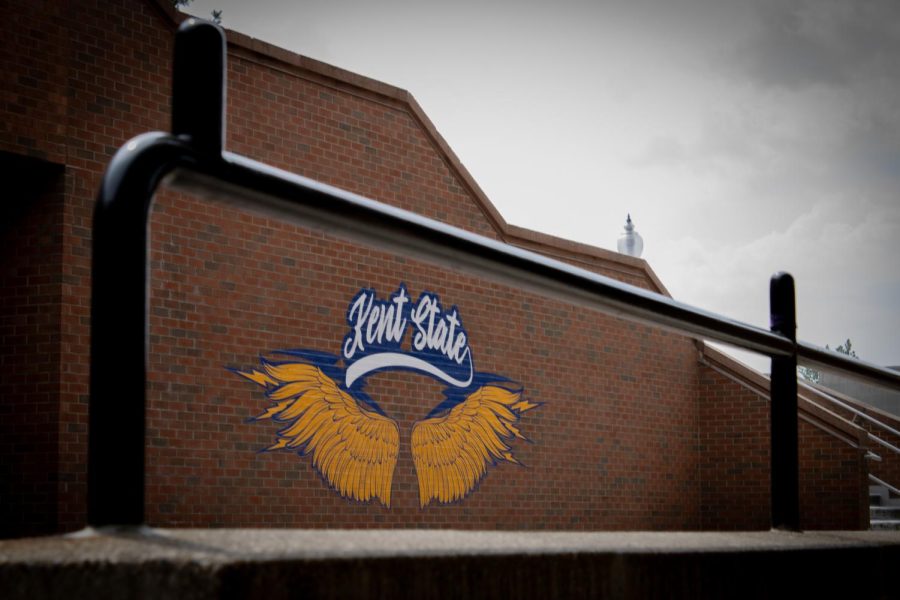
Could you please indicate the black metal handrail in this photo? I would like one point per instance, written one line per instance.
(192, 158)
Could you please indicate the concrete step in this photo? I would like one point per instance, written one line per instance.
(884, 510)
(877, 495)
(884, 513)
(881, 496)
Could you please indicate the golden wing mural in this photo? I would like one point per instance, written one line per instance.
(452, 452)
(353, 448)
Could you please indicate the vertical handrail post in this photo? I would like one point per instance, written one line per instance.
(198, 86)
(120, 273)
(785, 473)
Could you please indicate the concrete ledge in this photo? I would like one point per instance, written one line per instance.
(150, 563)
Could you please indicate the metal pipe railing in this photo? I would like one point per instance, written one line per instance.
(851, 409)
(874, 438)
(881, 482)
(192, 158)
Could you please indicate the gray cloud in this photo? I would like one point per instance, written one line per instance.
(804, 42)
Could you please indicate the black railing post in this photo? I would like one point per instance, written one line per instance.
(119, 275)
(783, 409)
(198, 87)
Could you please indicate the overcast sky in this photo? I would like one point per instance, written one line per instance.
(743, 137)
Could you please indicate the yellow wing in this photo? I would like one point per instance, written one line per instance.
(452, 452)
(355, 449)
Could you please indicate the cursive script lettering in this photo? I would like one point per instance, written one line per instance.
(437, 331)
(439, 344)
(375, 322)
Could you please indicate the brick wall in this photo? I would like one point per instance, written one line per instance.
(608, 451)
(833, 488)
(80, 78)
(614, 446)
(734, 463)
(734, 455)
(30, 315)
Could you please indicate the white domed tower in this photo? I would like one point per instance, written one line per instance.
(630, 241)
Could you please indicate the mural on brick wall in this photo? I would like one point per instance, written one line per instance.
(319, 401)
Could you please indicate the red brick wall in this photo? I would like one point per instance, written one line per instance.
(833, 488)
(80, 78)
(34, 59)
(33, 107)
(734, 465)
(734, 455)
(30, 280)
(613, 443)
